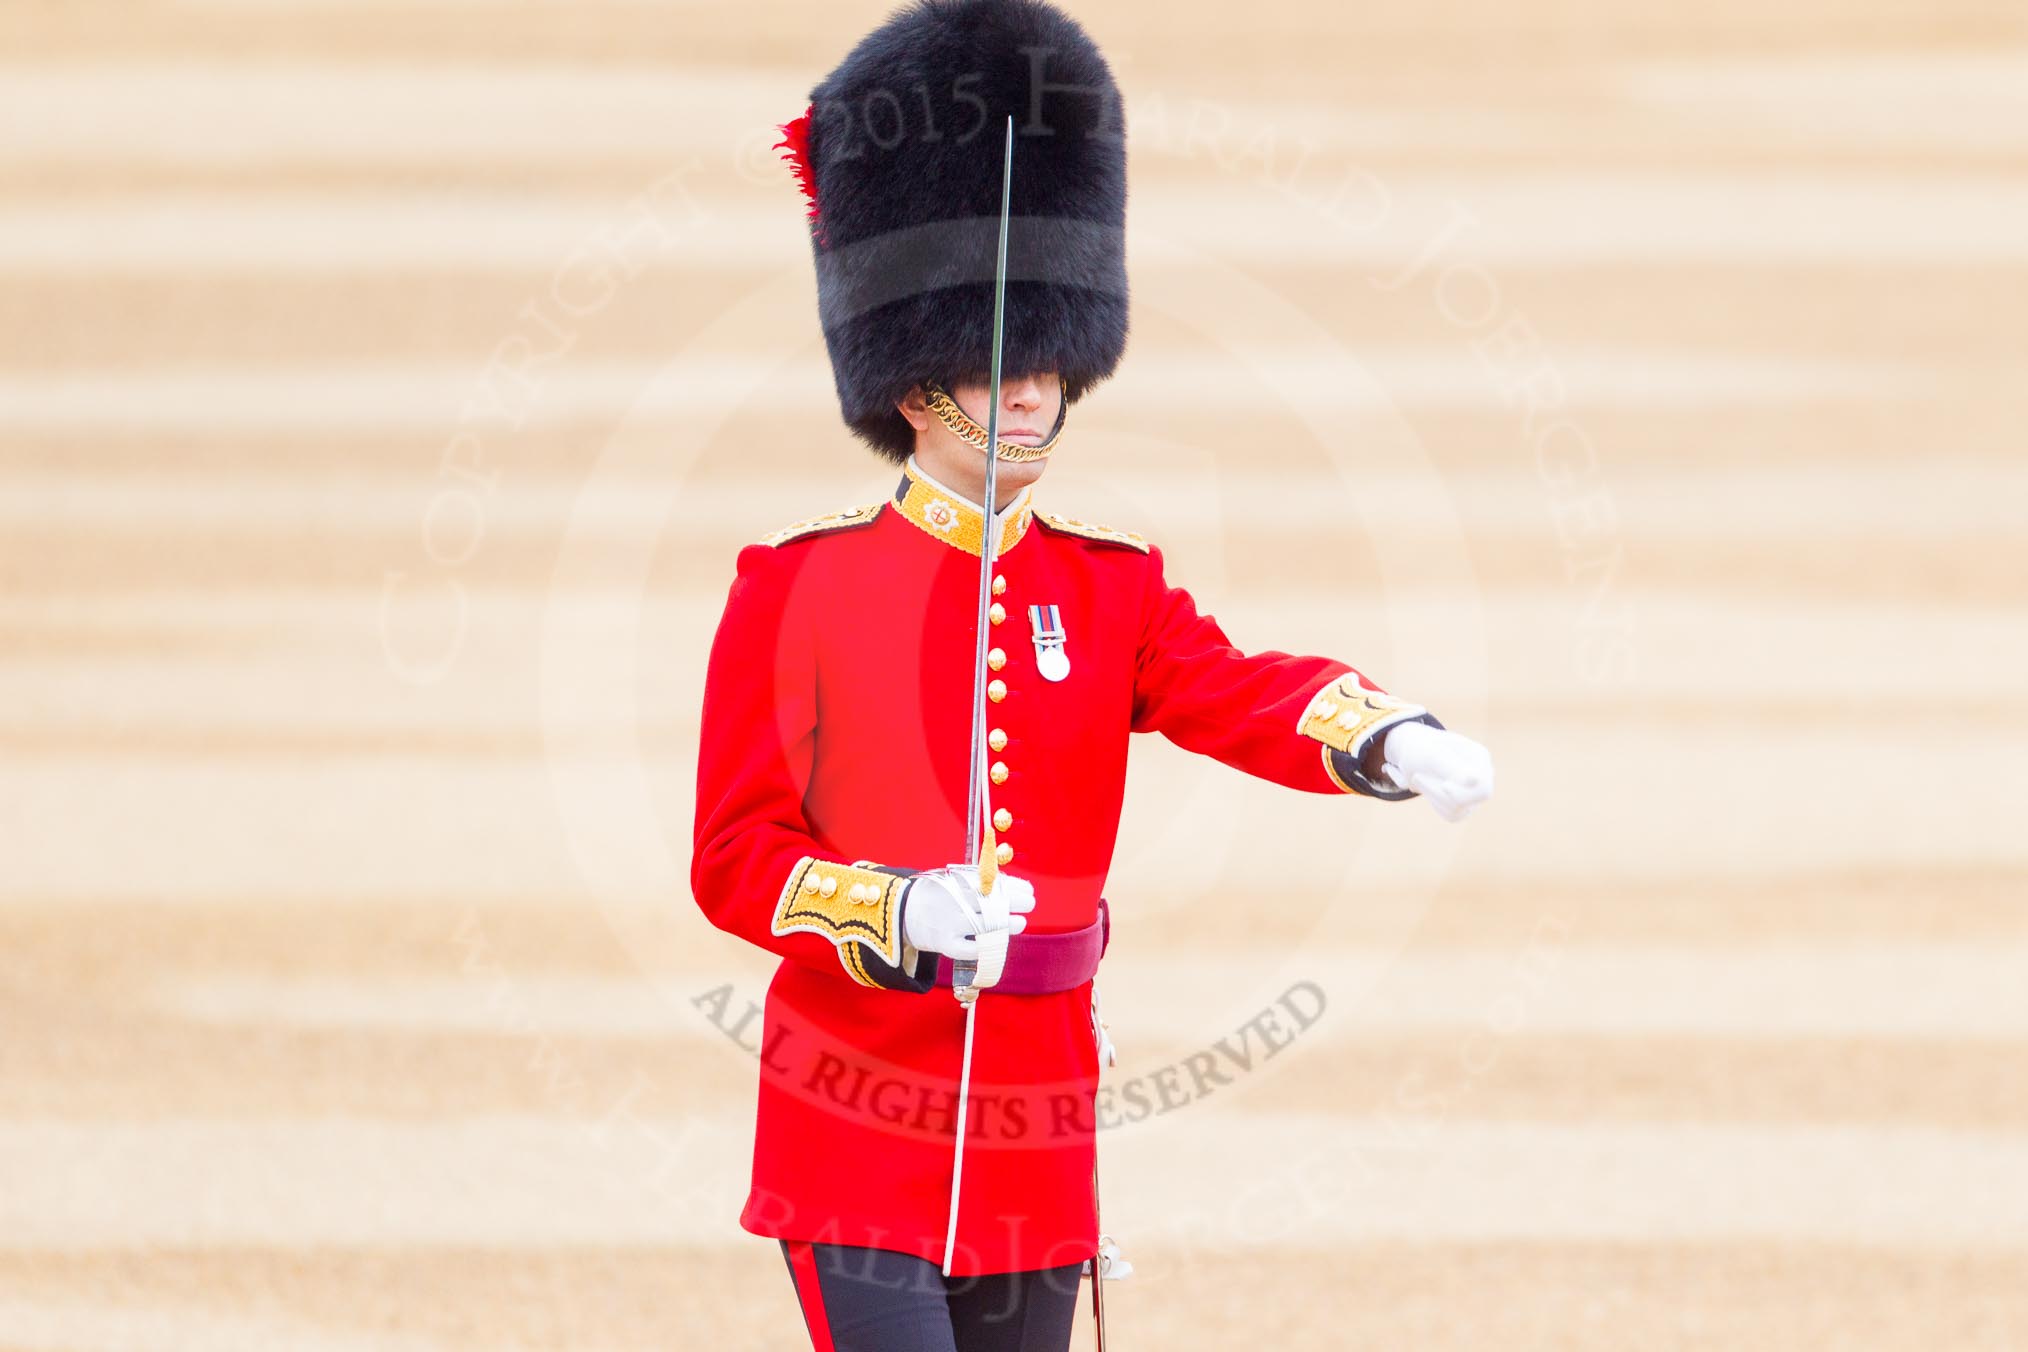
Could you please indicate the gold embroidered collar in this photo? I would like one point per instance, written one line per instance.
(951, 517)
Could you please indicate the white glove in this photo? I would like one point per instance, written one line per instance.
(1451, 770)
(943, 910)
(1115, 1266)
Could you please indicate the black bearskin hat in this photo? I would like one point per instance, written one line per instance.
(899, 155)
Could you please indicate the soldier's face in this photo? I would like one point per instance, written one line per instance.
(1028, 406)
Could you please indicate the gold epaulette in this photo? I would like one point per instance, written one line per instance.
(1104, 534)
(796, 530)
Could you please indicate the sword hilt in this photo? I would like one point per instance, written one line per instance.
(963, 973)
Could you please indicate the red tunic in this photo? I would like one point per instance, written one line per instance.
(833, 761)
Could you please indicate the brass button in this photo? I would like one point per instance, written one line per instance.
(996, 690)
(997, 739)
(997, 613)
(828, 887)
(998, 772)
(1000, 586)
(1005, 854)
(1002, 819)
(996, 659)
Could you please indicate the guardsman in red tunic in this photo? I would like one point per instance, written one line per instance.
(833, 763)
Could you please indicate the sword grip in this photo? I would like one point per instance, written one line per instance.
(965, 971)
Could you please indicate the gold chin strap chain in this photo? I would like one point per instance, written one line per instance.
(964, 429)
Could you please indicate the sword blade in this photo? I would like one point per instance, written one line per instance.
(978, 834)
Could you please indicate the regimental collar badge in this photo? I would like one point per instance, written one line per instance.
(1051, 660)
(944, 515)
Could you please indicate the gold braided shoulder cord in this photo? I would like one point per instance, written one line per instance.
(964, 429)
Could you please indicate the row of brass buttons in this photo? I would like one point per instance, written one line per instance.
(996, 690)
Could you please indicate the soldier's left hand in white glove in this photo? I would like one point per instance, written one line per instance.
(1451, 770)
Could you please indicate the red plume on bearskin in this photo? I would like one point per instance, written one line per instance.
(796, 140)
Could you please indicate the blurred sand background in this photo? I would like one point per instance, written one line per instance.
(385, 389)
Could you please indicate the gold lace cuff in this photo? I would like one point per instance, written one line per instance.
(1345, 716)
(856, 906)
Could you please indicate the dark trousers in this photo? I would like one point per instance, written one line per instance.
(876, 1300)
